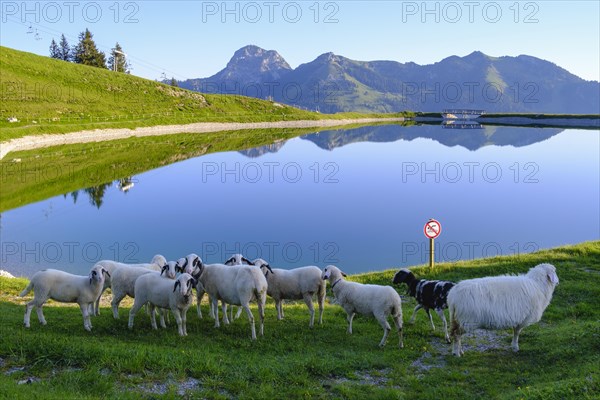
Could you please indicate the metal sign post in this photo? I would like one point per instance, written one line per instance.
(432, 230)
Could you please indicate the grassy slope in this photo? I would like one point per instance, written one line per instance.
(559, 356)
(64, 97)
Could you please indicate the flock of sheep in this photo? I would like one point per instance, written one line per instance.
(498, 302)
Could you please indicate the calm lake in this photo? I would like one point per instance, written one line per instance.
(356, 198)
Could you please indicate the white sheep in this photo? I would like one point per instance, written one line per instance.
(500, 302)
(66, 288)
(123, 282)
(237, 285)
(369, 300)
(236, 259)
(157, 263)
(189, 264)
(162, 292)
(295, 284)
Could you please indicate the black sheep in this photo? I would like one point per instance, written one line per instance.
(429, 295)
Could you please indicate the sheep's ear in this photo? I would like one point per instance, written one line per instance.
(244, 259)
(177, 283)
(178, 268)
(269, 268)
(106, 272)
(185, 262)
(163, 269)
(196, 262)
(196, 274)
(343, 274)
(228, 262)
(553, 278)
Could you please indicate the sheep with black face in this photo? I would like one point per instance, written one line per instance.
(429, 295)
(162, 292)
(66, 288)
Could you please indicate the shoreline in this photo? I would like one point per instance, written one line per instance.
(576, 123)
(33, 142)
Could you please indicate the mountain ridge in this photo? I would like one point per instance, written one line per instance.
(334, 83)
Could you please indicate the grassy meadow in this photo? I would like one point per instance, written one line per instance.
(53, 96)
(559, 357)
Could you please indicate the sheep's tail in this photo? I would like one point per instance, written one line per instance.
(259, 301)
(27, 289)
(455, 328)
(321, 290)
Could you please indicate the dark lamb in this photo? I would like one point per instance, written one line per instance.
(429, 295)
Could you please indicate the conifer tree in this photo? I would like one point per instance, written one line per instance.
(64, 49)
(54, 50)
(86, 52)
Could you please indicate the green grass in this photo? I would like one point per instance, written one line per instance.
(53, 96)
(559, 356)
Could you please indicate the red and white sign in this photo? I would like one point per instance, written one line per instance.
(432, 229)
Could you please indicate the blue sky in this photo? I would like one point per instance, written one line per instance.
(190, 39)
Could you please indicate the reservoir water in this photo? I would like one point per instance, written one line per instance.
(356, 198)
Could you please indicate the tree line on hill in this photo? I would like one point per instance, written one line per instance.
(86, 52)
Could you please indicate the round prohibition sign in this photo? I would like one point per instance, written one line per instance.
(432, 229)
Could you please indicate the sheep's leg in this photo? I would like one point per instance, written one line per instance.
(456, 333)
(96, 305)
(515, 342)
(212, 307)
(278, 308)
(27, 317)
(179, 321)
(398, 322)
(350, 318)
(239, 312)
(85, 311)
(133, 311)
(153, 317)
(430, 318)
(440, 312)
(199, 296)
(412, 318)
(38, 303)
(215, 306)
(386, 328)
(311, 308)
(40, 313)
(261, 311)
(162, 312)
(251, 318)
(115, 304)
(231, 313)
(321, 300)
(224, 308)
(184, 321)
(281, 309)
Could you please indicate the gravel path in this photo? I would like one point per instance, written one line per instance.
(101, 135)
